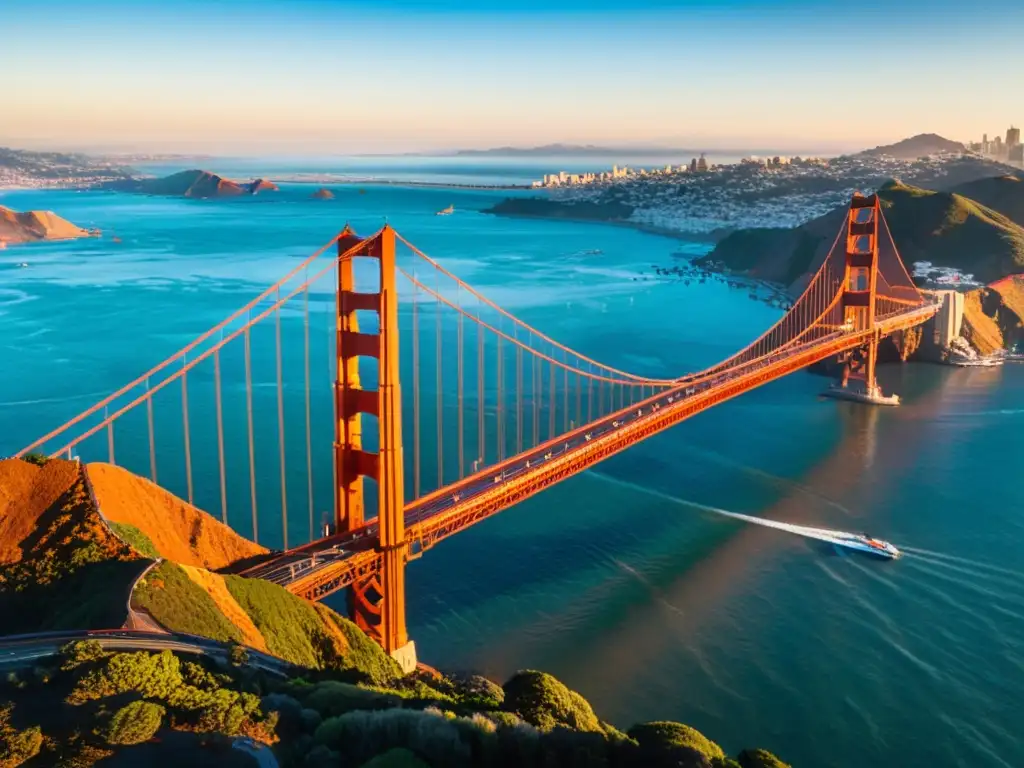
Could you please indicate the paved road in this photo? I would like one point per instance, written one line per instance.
(24, 650)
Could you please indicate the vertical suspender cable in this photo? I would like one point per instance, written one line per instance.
(188, 442)
(333, 337)
(280, 422)
(309, 429)
(461, 387)
(519, 399)
(501, 403)
(415, 389)
(552, 401)
(440, 393)
(152, 435)
(110, 436)
(248, 408)
(535, 392)
(220, 438)
(481, 434)
(565, 394)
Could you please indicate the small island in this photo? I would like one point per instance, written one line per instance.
(194, 183)
(32, 226)
(323, 194)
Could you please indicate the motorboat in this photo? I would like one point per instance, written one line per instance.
(861, 542)
(447, 211)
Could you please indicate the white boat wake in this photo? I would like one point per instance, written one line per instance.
(845, 539)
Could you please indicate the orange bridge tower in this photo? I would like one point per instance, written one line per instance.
(377, 600)
(860, 291)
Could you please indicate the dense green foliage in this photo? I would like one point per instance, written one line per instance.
(671, 744)
(541, 700)
(17, 746)
(180, 604)
(136, 539)
(34, 457)
(362, 656)
(135, 722)
(301, 633)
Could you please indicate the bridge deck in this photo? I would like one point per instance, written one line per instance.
(321, 567)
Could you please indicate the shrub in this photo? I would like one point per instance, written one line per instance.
(543, 701)
(154, 676)
(81, 652)
(34, 457)
(477, 690)
(180, 604)
(759, 758)
(666, 743)
(332, 698)
(17, 747)
(135, 723)
(136, 539)
(360, 736)
(238, 655)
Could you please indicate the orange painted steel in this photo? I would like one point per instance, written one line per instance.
(461, 516)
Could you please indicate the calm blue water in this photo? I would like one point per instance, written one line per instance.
(652, 609)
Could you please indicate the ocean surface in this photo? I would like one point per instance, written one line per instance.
(622, 582)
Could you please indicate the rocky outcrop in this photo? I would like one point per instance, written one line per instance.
(30, 226)
(323, 194)
(262, 185)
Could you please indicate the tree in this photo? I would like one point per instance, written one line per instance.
(135, 723)
(34, 457)
(17, 747)
(543, 701)
(238, 655)
(674, 745)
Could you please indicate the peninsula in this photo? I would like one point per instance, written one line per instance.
(32, 226)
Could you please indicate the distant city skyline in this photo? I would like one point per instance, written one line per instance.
(311, 77)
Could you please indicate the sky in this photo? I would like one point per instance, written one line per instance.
(308, 77)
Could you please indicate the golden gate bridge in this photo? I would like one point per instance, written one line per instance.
(529, 412)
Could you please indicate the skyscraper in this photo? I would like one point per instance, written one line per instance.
(1012, 137)
(693, 165)
(702, 164)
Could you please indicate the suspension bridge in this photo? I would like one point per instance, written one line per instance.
(528, 412)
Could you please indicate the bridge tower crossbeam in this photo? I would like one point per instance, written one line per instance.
(376, 600)
(860, 288)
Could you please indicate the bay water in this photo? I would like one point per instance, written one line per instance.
(622, 582)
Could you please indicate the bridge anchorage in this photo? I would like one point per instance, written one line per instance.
(526, 412)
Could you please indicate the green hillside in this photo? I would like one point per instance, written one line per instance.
(945, 228)
(1004, 194)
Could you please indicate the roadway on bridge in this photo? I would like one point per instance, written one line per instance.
(299, 564)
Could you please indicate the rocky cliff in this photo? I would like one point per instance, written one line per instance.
(30, 226)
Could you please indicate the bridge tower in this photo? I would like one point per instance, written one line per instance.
(376, 601)
(860, 288)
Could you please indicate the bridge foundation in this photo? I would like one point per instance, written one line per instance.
(406, 657)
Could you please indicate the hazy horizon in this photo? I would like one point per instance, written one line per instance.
(316, 77)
